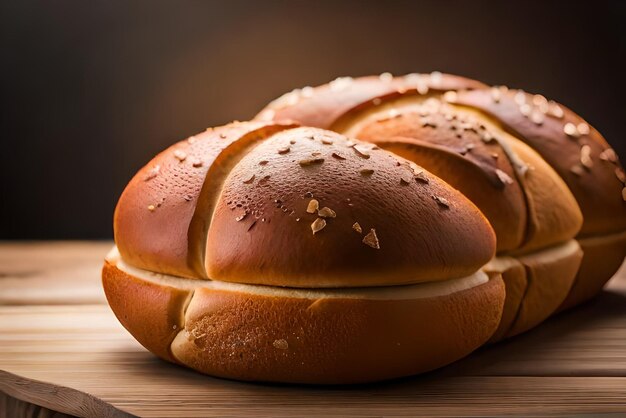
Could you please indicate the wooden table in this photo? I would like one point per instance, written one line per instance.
(61, 349)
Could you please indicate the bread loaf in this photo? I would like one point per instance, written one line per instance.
(539, 173)
(264, 251)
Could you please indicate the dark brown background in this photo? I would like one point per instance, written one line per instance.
(91, 90)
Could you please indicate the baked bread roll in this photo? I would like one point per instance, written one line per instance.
(264, 251)
(528, 163)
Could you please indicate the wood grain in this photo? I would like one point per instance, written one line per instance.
(65, 351)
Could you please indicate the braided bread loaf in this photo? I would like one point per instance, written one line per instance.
(268, 251)
(264, 251)
(527, 162)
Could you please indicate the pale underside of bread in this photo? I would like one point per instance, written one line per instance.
(265, 333)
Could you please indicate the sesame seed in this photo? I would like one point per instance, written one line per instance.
(366, 171)
(371, 239)
(404, 181)
(263, 162)
(151, 208)
(180, 155)
(281, 344)
(197, 162)
(386, 77)
(421, 177)
(327, 141)
(313, 206)
(250, 179)
(583, 128)
(361, 151)
(192, 139)
(538, 100)
(608, 155)
(520, 98)
(436, 78)
(310, 161)
(306, 91)
(537, 118)
(154, 171)
(327, 212)
(525, 109)
(487, 137)
(318, 225)
(495, 155)
(619, 173)
(422, 87)
(571, 130)
(223, 135)
(504, 177)
(338, 156)
(441, 201)
(376, 101)
(283, 150)
(555, 110)
(496, 94)
(450, 96)
(340, 83)
(241, 217)
(585, 156)
(357, 227)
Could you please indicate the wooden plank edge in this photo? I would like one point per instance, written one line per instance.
(57, 398)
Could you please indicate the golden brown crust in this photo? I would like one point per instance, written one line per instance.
(526, 202)
(323, 106)
(262, 232)
(549, 283)
(256, 337)
(515, 284)
(453, 148)
(580, 156)
(153, 313)
(153, 216)
(603, 256)
(553, 214)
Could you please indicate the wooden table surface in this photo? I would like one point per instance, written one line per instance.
(62, 348)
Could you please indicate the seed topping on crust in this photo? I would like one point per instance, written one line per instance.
(318, 225)
(326, 212)
(310, 161)
(361, 151)
(371, 239)
(313, 206)
(180, 155)
(443, 202)
(357, 227)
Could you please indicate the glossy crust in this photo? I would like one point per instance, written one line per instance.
(153, 216)
(574, 150)
(426, 230)
(324, 106)
(250, 195)
(526, 202)
(281, 339)
(593, 181)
